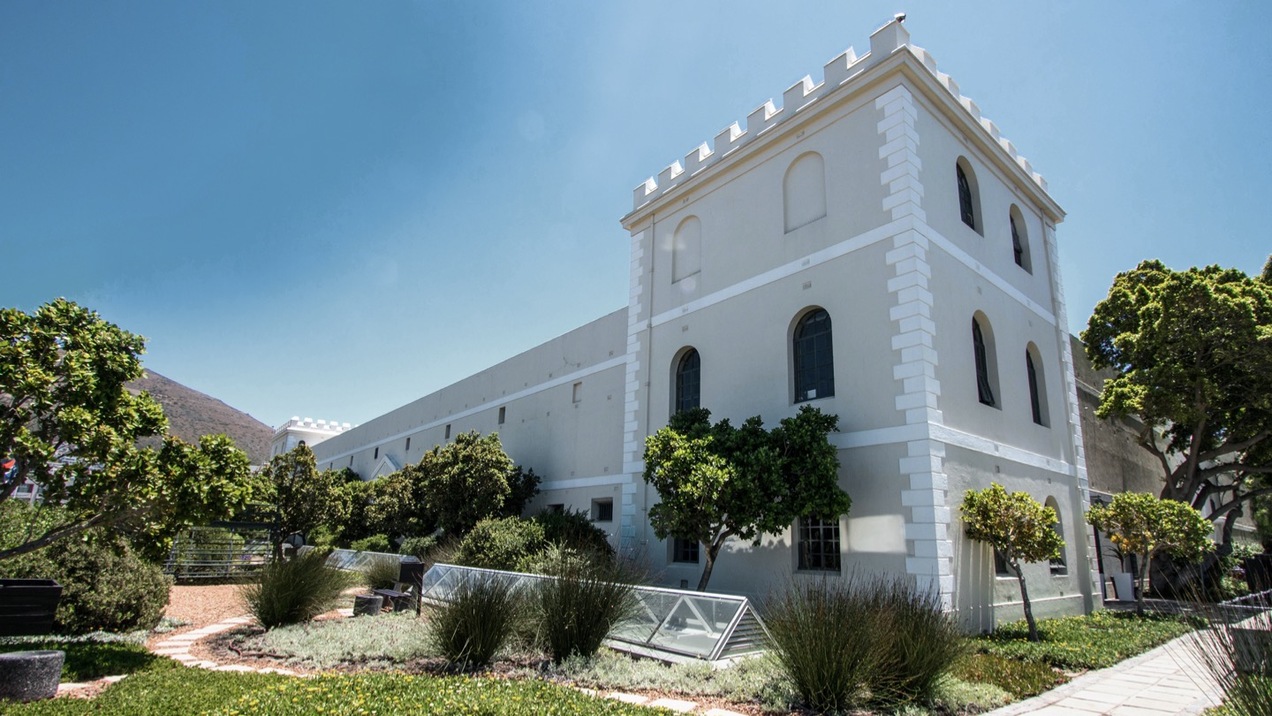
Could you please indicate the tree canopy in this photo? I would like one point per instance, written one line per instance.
(71, 426)
(717, 482)
(1140, 524)
(1018, 527)
(1192, 356)
(467, 480)
(297, 497)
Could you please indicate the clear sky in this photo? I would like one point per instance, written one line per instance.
(331, 209)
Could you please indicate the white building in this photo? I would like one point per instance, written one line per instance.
(874, 247)
(307, 430)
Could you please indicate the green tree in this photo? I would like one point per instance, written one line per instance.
(296, 497)
(463, 482)
(1192, 356)
(1146, 526)
(1018, 527)
(72, 428)
(717, 482)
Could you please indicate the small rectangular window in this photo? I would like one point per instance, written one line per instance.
(350, 461)
(818, 544)
(557, 508)
(447, 436)
(503, 413)
(603, 510)
(1000, 566)
(376, 456)
(408, 444)
(684, 550)
(578, 391)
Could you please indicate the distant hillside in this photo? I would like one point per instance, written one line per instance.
(192, 414)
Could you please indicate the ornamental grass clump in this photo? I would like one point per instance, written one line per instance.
(296, 590)
(1236, 648)
(579, 603)
(382, 572)
(477, 621)
(861, 642)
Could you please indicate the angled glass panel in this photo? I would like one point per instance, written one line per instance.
(665, 622)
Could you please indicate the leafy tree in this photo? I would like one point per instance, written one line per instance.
(72, 428)
(297, 497)
(1143, 525)
(1192, 356)
(462, 482)
(1018, 527)
(716, 482)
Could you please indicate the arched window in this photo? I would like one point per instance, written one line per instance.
(804, 191)
(1037, 386)
(1019, 239)
(983, 353)
(1058, 565)
(968, 195)
(686, 249)
(814, 359)
(688, 381)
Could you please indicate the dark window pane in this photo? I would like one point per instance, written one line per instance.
(688, 381)
(965, 198)
(814, 357)
(1017, 248)
(1034, 403)
(984, 391)
(819, 544)
(684, 550)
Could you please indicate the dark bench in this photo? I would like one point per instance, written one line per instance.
(27, 606)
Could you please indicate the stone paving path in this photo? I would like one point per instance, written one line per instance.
(1166, 680)
(178, 647)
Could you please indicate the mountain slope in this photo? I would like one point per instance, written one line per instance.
(192, 414)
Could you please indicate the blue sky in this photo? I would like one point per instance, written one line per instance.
(331, 209)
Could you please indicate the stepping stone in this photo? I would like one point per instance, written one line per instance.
(114, 679)
(234, 667)
(683, 707)
(723, 712)
(626, 698)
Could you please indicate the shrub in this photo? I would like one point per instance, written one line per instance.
(1019, 678)
(374, 543)
(824, 638)
(505, 543)
(382, 572)
(106, 586)
(577, 606)
(296, 590)
(574, 529)
(476, 623)
(418, 547)
(878, 641)
(921, 644)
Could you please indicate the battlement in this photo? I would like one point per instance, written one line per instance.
(805, 94)
(326, 426)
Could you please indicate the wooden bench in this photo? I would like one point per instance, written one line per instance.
(27, 606)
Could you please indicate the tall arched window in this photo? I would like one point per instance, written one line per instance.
(804, 191)
(1058, 565)
(1019, 239)
(1037, 385)
(688, 381)
(968, 195)
(814, 359)
(982, 349)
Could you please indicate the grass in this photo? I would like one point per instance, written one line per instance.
(296, 590)
(195, 691)
(1097, 641)
(1021, 679)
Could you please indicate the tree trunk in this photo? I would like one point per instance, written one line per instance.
(1141, 579)
(713, 550)
(1024, 598)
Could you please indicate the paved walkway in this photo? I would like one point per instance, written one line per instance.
(1166, 680)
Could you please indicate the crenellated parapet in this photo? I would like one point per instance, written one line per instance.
(805, 94)
(325, 426)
